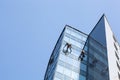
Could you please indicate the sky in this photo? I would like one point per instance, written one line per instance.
(29, 30)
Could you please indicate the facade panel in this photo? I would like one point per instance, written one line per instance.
(68, 66)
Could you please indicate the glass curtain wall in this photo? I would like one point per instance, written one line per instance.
(68, 65)
(97, 61)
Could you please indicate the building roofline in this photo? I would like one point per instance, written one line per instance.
(97, 23)
(76, 29)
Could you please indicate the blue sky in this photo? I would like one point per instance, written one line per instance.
(29, 30)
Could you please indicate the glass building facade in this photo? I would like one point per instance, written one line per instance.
(78, 56)
(97, 61)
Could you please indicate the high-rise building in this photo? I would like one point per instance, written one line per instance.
(78, 56)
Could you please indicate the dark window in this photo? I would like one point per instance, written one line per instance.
(114, 38)
(118, 75)
(115, 46)
(118, 65)
(116, 55)
(51, 60)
